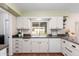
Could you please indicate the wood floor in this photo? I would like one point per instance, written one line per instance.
(38, 54)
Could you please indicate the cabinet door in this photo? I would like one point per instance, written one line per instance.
(26, 45)
(75, 53)
(20, 23)
(44, 46)
(35, 46)
(53, 23)
(54, 45)
(3, 52)
(17, 45)
(23, 22)
(59, 22)
(63, 43)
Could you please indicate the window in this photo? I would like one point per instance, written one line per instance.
(39, 28)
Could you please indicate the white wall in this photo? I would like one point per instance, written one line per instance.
(45, 13)
(1, 25)
(14, 28)
(71, 23)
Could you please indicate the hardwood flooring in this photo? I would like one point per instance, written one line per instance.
(38, 54)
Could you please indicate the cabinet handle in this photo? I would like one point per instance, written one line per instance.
(68, 49)
(73, 46)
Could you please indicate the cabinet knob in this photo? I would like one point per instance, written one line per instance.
(64, 42)
(73, 46)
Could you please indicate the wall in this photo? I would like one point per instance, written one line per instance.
(73, 18)
(14, 29)
(1, 25)
(45, 13)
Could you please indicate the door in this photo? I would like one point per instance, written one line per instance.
(26, 45)
(59, 22)
(35, 46)
(54, 45)
(54, 23)
(43, 46)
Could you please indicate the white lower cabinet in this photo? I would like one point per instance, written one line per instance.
(3, 52)
(35, 46)
(39, 45)
(54, 45)
(44, 46)
(26, 46)
(17, 45)
(69, 48)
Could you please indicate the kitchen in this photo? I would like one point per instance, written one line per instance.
(39, 29)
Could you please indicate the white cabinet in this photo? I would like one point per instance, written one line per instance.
(69, 48)
(23, 22)
(39, 45)
(63, 43)
(17, 45)
(52, 23)
(44, 46)
(59, 22)
(3, 52)
(54, 45)
(35, 46)
(56, 22)
(26, 45)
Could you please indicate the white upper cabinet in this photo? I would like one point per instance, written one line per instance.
(23, 22)
(52, 23)
(55, 23)
(59, 22)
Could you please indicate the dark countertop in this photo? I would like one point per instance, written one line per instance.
(38, 37)
(28, 36)
(2, 46)
(66, 38)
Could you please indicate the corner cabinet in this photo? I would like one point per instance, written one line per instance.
(69, 48)
(23, 23)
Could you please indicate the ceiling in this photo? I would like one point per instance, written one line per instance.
(24, 7)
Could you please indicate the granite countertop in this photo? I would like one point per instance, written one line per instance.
(37, 37)
(2, 46)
